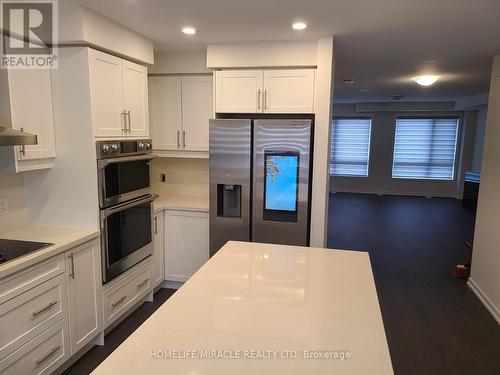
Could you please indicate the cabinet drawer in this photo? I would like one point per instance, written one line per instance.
(24, 280)
(42, 355)
(122, 296)
(32, 312)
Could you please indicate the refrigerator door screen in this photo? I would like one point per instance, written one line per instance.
(281, 185)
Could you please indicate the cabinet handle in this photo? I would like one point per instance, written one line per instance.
(72, 266)
(22, 149)
(155, 226)
(124, 122)
(118, 302)
(258, 99)
(48, 355)
(183, 139)
(43, 309)
(129, 122)
(265, 99)
(178, 139)
(143, 283)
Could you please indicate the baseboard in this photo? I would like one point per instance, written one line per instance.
(171, 284)
(484, 300)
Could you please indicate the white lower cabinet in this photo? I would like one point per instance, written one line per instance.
(83, 269)
(123, 293)
(42, 355)
(158, 261)
(186, 243)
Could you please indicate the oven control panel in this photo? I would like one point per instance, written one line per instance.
(110, 149)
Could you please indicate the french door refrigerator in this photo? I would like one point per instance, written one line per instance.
(260, 175)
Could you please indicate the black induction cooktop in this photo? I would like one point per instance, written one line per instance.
(12, 249)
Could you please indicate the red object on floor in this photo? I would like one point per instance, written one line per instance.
(461, 271)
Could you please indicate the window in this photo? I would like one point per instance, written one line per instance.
(425, 148)
(350, 147)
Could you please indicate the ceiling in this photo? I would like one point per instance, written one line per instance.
(382, 44)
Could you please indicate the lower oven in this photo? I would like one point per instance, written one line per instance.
(127, 235)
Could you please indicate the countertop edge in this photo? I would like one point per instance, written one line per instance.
(28, 260)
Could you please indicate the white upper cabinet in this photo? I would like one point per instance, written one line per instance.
(135, 98)
(197, 105)
(166, 112)
(238, 91)
(106, 90)
(28, 106)
(288, 91)
(265, 91)
(118, 90)
(180, 110)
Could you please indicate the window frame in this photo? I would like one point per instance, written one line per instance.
(369, 146)
(456, 157)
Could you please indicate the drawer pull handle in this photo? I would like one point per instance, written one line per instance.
(48, 355)
(143, 283)
(118, 302)
(43, 309)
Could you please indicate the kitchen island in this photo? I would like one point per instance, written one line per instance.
(264, 309)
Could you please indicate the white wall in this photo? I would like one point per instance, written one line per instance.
(12, 187)
(262, 54)
(485, 276)
(379, 178)
(78, 25)
(185, 62)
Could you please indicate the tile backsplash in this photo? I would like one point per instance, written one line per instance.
(183, 177)
(12, 188)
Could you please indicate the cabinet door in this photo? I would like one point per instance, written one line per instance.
(84, 284)
(197, 110)
(158, 262)
(106, 93)
(185, 252)
(32, 110)
(166, 117)
(238, 91)
(135, 98)
(289, 91)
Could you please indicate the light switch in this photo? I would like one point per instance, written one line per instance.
(4, 206)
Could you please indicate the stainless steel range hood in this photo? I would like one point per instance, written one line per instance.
(11, 137)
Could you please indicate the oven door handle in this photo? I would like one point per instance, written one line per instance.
(136, 202)
(105, 162)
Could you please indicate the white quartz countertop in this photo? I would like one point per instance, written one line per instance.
(63, 239)
(185, 203)
(263, 309)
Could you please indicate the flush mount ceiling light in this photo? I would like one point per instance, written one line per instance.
(189, 30)
(299, 26)
(426, 80)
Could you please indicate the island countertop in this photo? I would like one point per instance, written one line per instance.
(264, 309)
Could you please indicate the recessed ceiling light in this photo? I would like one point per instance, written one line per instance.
(299, 26)
(426, 80)
(189, 30)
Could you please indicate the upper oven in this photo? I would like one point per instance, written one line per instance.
(124, 170)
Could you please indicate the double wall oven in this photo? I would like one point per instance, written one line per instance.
(126, 204)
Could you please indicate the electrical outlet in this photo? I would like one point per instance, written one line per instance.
(163, 178)
(4, 206)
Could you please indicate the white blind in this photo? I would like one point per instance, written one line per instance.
(425, 148)
(350, 147)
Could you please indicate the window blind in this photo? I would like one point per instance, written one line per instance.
(425, 148)
(350, 147)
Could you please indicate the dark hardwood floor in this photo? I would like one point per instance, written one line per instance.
(90, 360)
(434, 323)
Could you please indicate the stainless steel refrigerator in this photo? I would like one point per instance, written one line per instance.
(260, 176)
